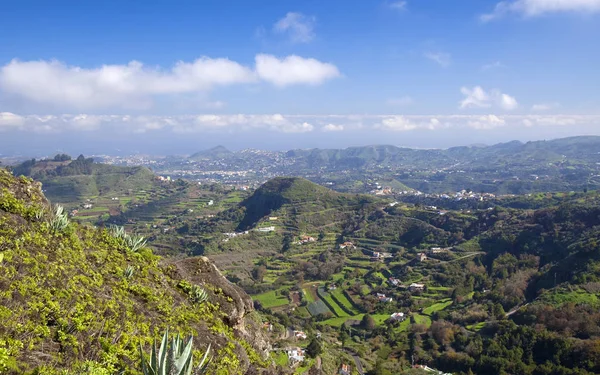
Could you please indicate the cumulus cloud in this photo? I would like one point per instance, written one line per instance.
(507, 102)
(235, 123)
(532, 8)
(400, 102)
(332, 128)
(133, 86)
(477, 97)
(293, 70)
(299, 27)
(442, 59)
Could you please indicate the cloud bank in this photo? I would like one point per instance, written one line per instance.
(212, 123)
(133, 86)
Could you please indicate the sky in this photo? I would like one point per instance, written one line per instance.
(175, 77)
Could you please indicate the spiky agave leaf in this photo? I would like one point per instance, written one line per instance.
(197, 294)
(128, 272)
(135, 243)
(175, 358)
(60, 220)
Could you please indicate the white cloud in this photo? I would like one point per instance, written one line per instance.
(299, 27)
(477, 97)
(532, 8)
(486, 122)
(333, 128)
(396, 123)
(398, 5)
(10, 120)
(400, 102)
(128, 86)
(294, 70)
(134, 86)
(442, 59)
(240, 123)
(544, 107)
(507, 102)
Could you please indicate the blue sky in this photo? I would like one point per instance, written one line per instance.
(283, 74)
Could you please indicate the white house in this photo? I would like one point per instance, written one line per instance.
(295, 354)
(300, 335)
(415, 287)
(266, 229)
(397, 317)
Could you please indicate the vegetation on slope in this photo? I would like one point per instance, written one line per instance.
(78, 300)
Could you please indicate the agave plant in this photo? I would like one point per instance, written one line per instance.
(39, 215)
(173, 359)
(135, 243)
(118, 232)
(59, 220)
(197, 294)
(128, 272)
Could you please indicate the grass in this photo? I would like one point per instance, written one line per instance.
(476, 327)
(281, 359)
(308, 295)
(271, 299)
(403, 326)
(559, 298)
(344, 302)
(337, 310)
(437, 307)
(302, 312)
(337, 322)
(422, 319)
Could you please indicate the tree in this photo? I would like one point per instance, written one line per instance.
(258, 273)
(368, 322)
(314, 348)
(62, 157)
(321, 235)
(287, 242)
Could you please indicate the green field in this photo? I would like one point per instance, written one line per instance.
(271, 299)
(422, 319)
(308, 295)
(337, 322)
(344, 302)
(437, 307)
(403, 326)
(337, 310)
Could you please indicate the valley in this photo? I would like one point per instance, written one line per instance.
(373, 283)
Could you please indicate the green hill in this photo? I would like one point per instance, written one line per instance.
(77, 300)
(217, 152)
(69, 181)
(297, 195)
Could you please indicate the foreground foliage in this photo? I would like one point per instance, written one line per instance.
(78, 300)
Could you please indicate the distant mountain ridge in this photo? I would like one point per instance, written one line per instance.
(581, 147)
